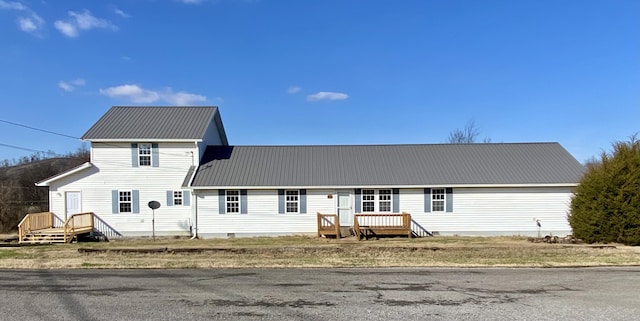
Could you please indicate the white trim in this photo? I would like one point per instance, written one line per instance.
(130, 140)
(383, 186)
(48, 181)
(227, 202)
(434, 200)
(130, 202)
(297, 201)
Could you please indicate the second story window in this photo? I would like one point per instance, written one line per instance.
(144, 154)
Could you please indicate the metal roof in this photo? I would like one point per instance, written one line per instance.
(387, 165)
(153, 122)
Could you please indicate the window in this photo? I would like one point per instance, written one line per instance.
(437, 199)
(144, 154)
(124, 202)
(384, 196)
(233, 201)
(368, 200)
(376, 200)
(177, 198)
(292, 199)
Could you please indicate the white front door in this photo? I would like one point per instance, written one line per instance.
(73, 204)
(344, 209)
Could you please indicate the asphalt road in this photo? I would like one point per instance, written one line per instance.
(321, 294)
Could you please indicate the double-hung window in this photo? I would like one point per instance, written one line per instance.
(233, 201)
(292, 201)
(376, 200)
(144, 154)
(368, 200)
(125, 202)
(384, 200)
(437, 199)
(177, 198)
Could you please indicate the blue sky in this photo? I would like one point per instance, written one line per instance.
(327, 71)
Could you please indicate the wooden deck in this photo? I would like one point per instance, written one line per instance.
(48, 228)
(367, 226)
(375, 225)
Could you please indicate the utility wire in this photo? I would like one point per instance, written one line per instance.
(63, 135)
(27, 149)
(39, 129)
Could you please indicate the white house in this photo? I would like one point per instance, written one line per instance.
(180, 157)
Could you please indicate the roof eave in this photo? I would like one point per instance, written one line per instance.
(387, 186)
(47, 182)
(129, 140)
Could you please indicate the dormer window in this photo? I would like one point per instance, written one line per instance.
(144, 154)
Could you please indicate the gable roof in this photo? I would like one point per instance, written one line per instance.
(79, 168)
(388, 165)
(155, 123)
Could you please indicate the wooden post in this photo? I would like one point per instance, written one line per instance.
(336, 223)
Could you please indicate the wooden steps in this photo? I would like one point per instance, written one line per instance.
(45, 228)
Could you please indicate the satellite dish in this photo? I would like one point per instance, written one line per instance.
(154, 205)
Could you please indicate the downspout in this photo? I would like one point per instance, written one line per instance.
(194, 229)
(195, 221)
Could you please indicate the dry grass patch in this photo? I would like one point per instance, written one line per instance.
(301, 251)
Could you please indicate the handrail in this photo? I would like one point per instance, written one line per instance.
(419, 230)
(327, 226)
(372, 221)
(103, 228)
(34, 221)
(75, 222)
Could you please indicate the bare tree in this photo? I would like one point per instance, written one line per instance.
(467, 135)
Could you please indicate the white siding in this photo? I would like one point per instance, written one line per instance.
(476, 211)
(113, 171)
(262, 216)
(495, 211)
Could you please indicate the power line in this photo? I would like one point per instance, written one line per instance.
(27, 149)
(39, 129)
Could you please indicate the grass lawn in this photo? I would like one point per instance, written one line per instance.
(301, 251)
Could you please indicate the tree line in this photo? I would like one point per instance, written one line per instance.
(18, 193)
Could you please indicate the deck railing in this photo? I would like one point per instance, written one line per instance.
(76, 224)
(35, 221)
(366, 225)
(328, 225)
(103, 229)
(418, 230)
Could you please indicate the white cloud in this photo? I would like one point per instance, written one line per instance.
(10, 5)
(131, 92)
(182, 98)
(28, 21)
(137, 94)
(121, 13)
(327, 95)
(293, 89)
(70, 86)
(82, 21)
(66, 28)
(30, 24)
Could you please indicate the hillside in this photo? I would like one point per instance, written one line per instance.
(18, 193)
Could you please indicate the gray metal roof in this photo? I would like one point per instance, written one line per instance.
(387, 165)
(152, 122)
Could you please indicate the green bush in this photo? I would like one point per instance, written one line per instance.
(606, 205)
